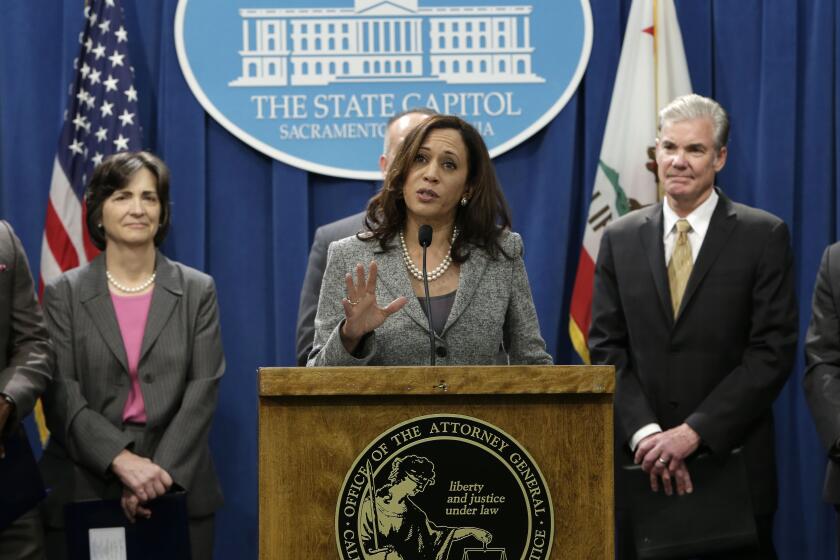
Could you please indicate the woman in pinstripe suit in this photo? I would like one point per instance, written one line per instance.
(139, 358)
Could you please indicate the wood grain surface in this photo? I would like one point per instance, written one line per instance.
(308, 443)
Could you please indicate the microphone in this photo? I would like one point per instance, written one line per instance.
(424, 237)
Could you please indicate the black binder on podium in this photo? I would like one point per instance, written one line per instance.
(102, 524)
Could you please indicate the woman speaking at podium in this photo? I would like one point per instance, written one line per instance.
(139, 358)
(479, 295)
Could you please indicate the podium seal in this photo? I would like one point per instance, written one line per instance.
(443, 487)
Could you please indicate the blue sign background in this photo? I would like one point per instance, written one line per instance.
(313, 127)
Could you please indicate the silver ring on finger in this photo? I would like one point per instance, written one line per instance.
(663, 461)
(351, 302)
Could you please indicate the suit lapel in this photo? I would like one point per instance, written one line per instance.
(393, 277)
(96, 300)
(470, 277)
(652, 234)
(721, 225)
(168, 291)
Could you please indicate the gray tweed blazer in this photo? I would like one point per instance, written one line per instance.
(493, 305)
(181, 362)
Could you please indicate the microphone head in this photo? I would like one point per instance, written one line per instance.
(424, 235)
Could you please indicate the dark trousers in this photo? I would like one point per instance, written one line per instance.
(625, 548)
(23, 539)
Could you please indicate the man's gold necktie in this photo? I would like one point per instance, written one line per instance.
(679, 269)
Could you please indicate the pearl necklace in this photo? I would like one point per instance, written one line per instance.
(433, 274)
(126, 289)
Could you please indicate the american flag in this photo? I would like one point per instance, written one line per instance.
(101, 118)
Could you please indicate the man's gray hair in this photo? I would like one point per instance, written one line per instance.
(693, 106)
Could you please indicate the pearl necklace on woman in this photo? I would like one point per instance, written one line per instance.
(433, 274)
(126, 289)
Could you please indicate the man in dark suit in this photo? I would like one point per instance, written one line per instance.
(822, 374)
(25, 369)
(397, 129)
(694, 305)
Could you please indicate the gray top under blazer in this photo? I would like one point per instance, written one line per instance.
(181, 362)
(493, 305)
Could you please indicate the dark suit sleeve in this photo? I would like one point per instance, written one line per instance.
(822, 353)
(728, 412)
(89, 437)
(609, 344)
(309, 297)
(30, 359)
(185, 440)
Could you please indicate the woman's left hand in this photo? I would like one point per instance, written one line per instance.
(131, 505)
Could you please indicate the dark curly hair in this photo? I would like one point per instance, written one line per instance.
(113, 174)
(480, 222)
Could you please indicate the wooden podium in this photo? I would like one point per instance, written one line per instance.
(315, 422)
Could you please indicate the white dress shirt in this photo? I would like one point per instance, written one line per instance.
(699, 221)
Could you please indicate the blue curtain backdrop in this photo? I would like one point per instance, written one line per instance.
(248, 220)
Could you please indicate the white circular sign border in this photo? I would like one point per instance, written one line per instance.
(341, 172)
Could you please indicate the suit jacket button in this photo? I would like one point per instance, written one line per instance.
(441, 351)
(148, 378)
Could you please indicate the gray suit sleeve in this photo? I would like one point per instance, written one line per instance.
(523, 341)
(89, 438)
(309, 297)
(185, 439)
(822, 354)
(30, 359)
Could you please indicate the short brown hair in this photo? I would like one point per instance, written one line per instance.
(113, 174)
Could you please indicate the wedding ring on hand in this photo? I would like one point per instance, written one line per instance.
(351, 302)
(663, 461)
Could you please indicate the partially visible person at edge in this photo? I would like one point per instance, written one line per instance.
(26, 364)
(139, 358)
(442, 176)
(398, 126)
(822, 373)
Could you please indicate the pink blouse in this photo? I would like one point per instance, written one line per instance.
(132, 313)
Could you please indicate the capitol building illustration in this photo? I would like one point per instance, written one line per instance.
(386, 40)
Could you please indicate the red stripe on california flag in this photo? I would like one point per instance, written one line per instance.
(59, 242)
(581, 304)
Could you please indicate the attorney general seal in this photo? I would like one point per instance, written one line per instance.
(443, 487)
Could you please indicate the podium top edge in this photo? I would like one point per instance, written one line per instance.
(428, 380)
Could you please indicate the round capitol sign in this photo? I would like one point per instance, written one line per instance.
(313, 82)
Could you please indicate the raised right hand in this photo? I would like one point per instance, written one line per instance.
(361, 310)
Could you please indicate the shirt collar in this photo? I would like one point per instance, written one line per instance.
(699, 219)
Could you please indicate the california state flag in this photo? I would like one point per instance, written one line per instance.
(651, 72)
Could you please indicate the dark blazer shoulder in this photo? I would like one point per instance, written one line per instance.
(752, 216)
(633, 220)
(340, 229)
